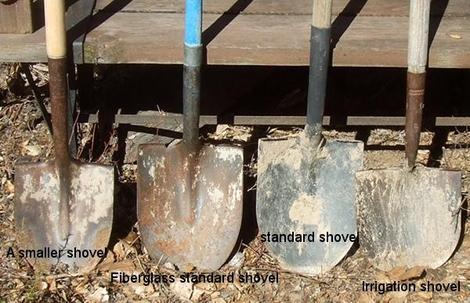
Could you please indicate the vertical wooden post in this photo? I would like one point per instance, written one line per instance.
(16, 17)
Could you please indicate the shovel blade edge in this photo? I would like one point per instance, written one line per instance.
(191, 218)
(409, 218)
(304, 189)
(37, 201)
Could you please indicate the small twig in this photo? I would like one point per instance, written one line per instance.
(39, 100)
(73, 128)
(90, 152)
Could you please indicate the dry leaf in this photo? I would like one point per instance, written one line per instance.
(455, 36)
(9, 187)
(131, 237)
(32, 150)
(396, 273)
(52, 283)
(402, 273)
(413, 273)
(126, 266)
(365, 298)
(121, 249)
(425, 295)
(107, 261)
(218, 300)
(382, 277)
(42, 285)
(186, 291)
(208, 287)
(100, 295)
(142, 290)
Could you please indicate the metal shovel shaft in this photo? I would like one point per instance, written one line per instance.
(416, 79)
(191, 97)
(56, 51)
(192, 73)
(414, 114)
(319, 61)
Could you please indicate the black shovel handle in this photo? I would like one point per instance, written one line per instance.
(319, 61)
(192, 73)
(191, 95)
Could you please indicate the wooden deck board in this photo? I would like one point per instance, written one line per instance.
(23, 47)
(273, 40)
(267, 32)
(296, 7)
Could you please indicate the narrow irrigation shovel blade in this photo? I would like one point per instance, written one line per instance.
(190, 216)
(304, 188)
(38, 223)
(409, 218)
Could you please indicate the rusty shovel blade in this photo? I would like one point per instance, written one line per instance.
(305, 188)
(190, 216)
(37, 207)
(409, 218)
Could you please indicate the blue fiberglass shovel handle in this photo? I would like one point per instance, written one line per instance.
(192, 73)
(319, 61)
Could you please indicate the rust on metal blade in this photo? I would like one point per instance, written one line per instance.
(37, 202)
(191, 217)
(409, 218)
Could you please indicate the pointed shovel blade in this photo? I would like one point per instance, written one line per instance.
(409, 218)
(303, 188)
(191, 218)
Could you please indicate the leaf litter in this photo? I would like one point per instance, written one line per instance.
(21, 137)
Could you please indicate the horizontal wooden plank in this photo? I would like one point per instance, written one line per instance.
(164, 118)
(250, 39)
(296, 7)
(23, 47)
(273, 40)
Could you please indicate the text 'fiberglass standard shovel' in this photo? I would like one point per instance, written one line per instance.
(305, 186)
(190, 194)
(62, 204)
(410, 217)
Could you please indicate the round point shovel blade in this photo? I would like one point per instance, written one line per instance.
(191, 218)
(303, 188)
(37, 220)
(409, 218)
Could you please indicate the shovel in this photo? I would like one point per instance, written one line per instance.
(62, 204)
(306, 185)
(189, 195)
(410, 217)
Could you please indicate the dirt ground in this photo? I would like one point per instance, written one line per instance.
(24, 135)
